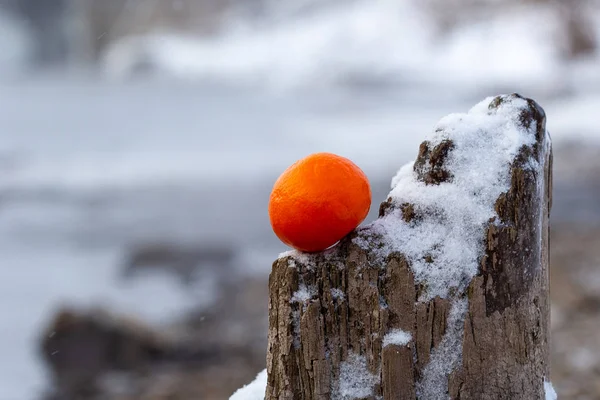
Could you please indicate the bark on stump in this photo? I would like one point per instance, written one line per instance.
(329, 313)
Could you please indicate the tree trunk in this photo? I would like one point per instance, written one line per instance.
(358, 322)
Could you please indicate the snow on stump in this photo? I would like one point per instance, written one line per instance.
(445, 295)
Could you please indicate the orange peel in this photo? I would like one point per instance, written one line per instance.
(319, 200)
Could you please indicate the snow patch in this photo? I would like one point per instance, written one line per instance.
(356, 381)
(303, 294)
(549, 391)
(324, 44)
(254, 390)
(295, 255)
(397, 337)
(445, 358)
(396, 40)
(445, 246)
(338, 294)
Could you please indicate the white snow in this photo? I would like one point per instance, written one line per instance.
(295, 255)
(549, 391)
(337, 294)
(398, 39)
(397, 337)
(454, 213)
(317, 47)
(303, 294)
(255, 390)
(445, 358)
(356, 381)
(511, 46)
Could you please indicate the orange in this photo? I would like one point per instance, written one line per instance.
(319, 200)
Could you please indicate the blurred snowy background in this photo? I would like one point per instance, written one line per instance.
(139, 140)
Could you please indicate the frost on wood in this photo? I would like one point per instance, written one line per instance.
(446, 357)
(356, 381)
(303, 294)
(445, 295)
(397, 337)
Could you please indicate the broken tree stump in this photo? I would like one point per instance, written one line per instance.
(445, 295)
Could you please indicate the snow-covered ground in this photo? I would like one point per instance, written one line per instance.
(394, 41)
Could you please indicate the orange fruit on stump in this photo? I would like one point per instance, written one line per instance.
(319, 200)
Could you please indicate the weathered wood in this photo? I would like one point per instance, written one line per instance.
(331, 311)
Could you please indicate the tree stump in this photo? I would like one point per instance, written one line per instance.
(445, 295)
